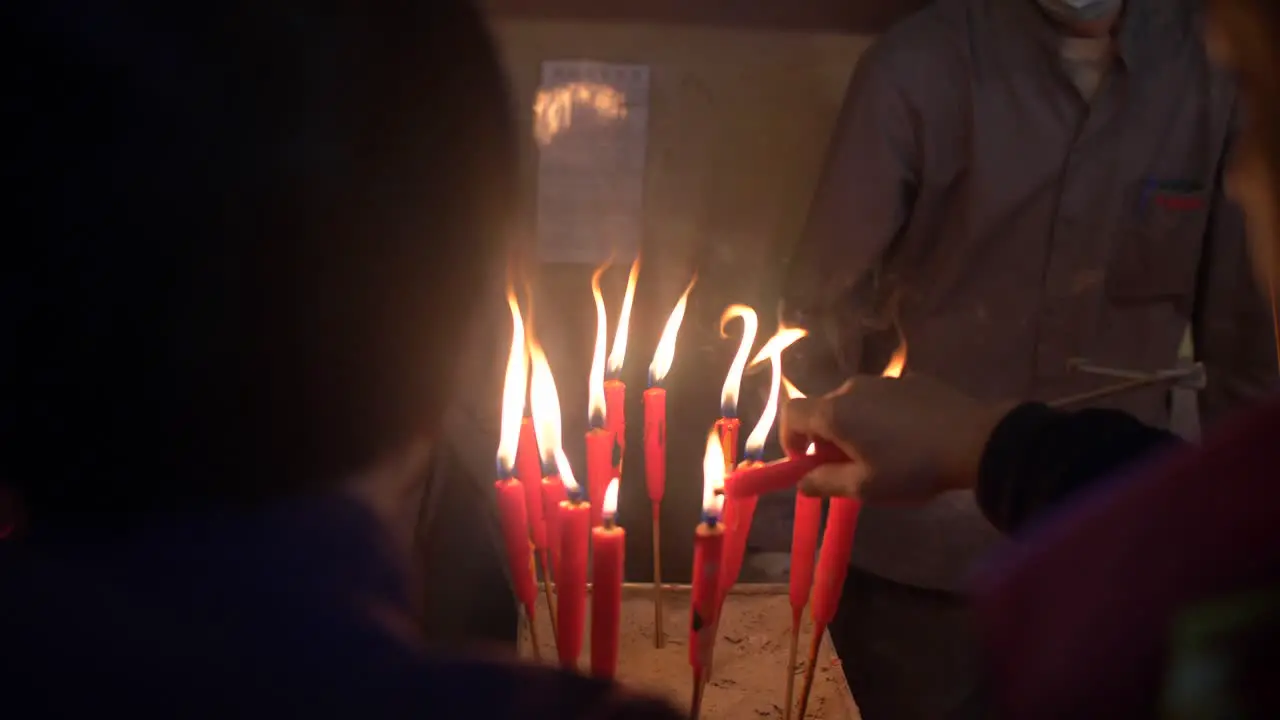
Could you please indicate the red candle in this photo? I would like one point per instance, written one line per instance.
(727, 429)
(608, 543)
(655, 443)
(804, 546)
(708, 551)
(708, 547)
(615, 398)
(529, 472)
(599, 469)
(552, 495)
(571, 578)
(738, 514)
(833, 558)
(782, 474)
(515, 533)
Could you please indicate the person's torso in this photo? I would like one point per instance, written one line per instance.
(1047, 225)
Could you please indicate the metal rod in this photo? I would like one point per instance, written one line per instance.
(1108, 391)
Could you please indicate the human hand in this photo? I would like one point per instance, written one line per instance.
(908, 438)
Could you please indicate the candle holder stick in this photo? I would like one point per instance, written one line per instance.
(659, 632)
(545, 560)
(699, 687)
(533, 636)
(792, 656)
(807, 686)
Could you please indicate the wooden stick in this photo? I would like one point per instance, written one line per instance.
(659, 633)
(807, 687)
(546, 589)
(791, 669)
(533, 636)
(695, 707)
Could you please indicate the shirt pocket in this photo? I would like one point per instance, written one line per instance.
(1156, 253)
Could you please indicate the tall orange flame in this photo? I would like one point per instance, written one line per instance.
(513, 391)
(595, 381)
(733, 380)
(619, 351)
(666, 351)
(545, 402)
(774, 346)
(713, 477)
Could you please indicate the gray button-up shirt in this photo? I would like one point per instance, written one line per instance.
(1006, 224)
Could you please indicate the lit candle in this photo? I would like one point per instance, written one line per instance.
(728, 424)
(804, 546)
(608, 545)
(510, 491)
(837, 540)
(707, 554)
(615, 391)
(529, 472)
(655, 445)
(599, 440)
(740, 510)
(833, 556)
(573, 518)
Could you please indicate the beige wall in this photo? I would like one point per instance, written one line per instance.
(738, 124)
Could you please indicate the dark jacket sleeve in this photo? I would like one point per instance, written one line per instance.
(1037, 457)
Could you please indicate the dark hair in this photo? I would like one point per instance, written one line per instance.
(242, 241)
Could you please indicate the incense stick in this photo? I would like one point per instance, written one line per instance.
(807, 687)
(659, 634)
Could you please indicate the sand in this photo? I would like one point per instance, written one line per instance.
(749, 674)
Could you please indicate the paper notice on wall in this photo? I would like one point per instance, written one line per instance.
(591, 123)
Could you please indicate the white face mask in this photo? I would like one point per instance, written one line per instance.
(1079, 11)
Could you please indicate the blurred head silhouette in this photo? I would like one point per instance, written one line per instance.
(242, 238)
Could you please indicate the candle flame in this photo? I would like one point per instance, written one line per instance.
(666, 351)
(733, 381)
(774, 345)
(595, 381)
(513, 391)
(896, 363)
(713, 477)
(793, 392)
(609, 508)
(781, 340)
(619, 351)
(545, 403)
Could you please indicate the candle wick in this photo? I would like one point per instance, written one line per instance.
(608, 523)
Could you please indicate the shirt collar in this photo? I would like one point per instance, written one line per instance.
(1145, 32)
